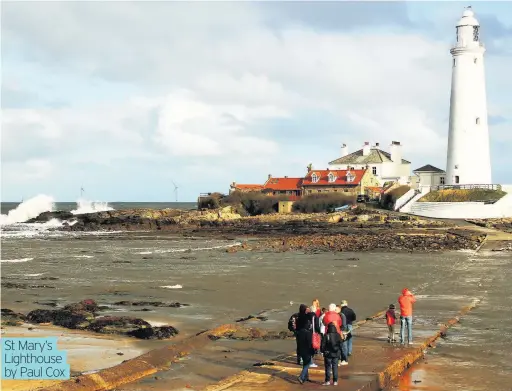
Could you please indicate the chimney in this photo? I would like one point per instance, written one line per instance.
(396, 152)
(309, 167)
(286, 176)
(269, 176)
(344, 150)
(366, 148)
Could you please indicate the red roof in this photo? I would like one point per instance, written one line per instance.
(248, 187)
(340, 177)
(282, 184)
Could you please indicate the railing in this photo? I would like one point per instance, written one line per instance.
(465, 187)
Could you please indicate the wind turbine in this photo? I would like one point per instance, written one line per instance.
(175, 191)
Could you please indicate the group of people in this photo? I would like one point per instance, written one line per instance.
(330, 332)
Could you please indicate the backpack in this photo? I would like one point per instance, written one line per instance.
(292, 322)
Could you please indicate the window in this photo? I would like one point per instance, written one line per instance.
(374, 170)
(475, 60)
(331, 177)
(350, 177)
(454, 62)
(456, 179)
(314, 178)
(477, 120)
(456, 166)
(345, 190)
(475, 33)
(441, 180)
(288, 192)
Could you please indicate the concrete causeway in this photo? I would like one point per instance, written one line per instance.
(374, 365)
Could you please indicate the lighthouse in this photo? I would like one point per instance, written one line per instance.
(468, 160)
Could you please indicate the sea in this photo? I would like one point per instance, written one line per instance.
(42, 265)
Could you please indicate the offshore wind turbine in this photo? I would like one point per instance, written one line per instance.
(175, 191)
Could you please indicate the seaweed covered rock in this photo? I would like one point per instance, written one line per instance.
(162, 332)
(116, 324)
(41, 316)
(11, 318)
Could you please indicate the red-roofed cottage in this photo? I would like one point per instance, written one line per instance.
(291, 187)
(347, 181)
(245, 188)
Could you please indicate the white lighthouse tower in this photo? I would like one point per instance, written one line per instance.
(469, 160)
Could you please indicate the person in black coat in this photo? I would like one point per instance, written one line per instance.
(331, 348)
(304, 340)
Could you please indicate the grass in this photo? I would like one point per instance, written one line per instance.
(451, 195)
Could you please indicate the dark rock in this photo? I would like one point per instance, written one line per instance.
(116, 324)
(47, 216)
(151, 303)
(251, 317)
(14, 285)
(162, 332)
(11, 318)
(48, 303)
(41, 316)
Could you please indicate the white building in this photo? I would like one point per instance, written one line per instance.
(429, 175)
(468, 158)
(385, 166)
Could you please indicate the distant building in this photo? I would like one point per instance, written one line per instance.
(244, 188)
(352, 182)
(384, 166)
(291, 187)
(429, 175)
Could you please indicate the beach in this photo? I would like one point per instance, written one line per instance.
(220, 286)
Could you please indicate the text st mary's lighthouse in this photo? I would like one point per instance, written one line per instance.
(468, 160)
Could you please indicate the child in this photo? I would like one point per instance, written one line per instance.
(390, 321)
(331, 348)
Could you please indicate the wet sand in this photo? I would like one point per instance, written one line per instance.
(222, 287)
(86, 351)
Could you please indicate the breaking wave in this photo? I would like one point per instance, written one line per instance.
(34, 206)
(20, 260)
(13, 223)
(86, 206)
(28, 209)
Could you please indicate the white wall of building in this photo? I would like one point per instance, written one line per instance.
(464, 210)
(430, 178)
(468, 155)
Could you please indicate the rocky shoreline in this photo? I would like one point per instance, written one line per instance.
(360, 229)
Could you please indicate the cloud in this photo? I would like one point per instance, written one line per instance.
(176, 89)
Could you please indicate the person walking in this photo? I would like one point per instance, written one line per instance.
(332, 316)
(343, 333)
(390, 321)
(350, 316)
(292, 326)
(321, 322)
(406, 301)
(331, 348)
(305, 341)
(316, 329)
(317, 309)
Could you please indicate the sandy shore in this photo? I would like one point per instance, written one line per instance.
(86, 351)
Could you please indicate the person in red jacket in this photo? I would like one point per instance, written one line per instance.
(332, 317)
(406, 301)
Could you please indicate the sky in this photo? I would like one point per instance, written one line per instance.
(126, 99)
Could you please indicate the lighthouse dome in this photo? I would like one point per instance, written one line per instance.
(468, 18)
